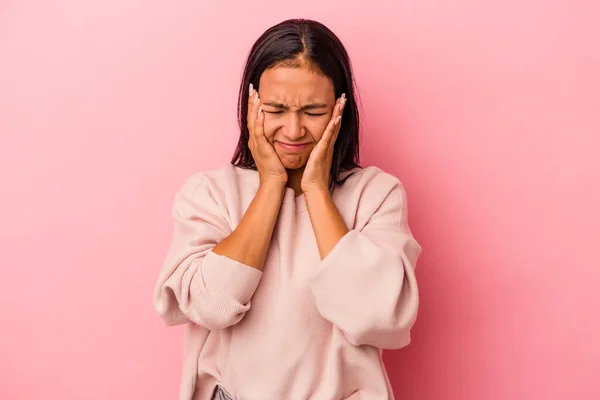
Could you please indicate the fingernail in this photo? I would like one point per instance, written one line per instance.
(259, 111)
(337, 120)
(256, 98)
(251, 90)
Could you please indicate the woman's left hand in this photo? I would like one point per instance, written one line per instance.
(317, 170)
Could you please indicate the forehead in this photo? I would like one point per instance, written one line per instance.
(295, 84)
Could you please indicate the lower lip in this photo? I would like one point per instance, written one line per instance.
(292, 149)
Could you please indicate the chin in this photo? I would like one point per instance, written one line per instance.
(292, 161)
(292, 166)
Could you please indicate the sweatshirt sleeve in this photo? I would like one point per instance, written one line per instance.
(366, 285)
(195, 284)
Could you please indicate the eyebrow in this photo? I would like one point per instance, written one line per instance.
(306, 107)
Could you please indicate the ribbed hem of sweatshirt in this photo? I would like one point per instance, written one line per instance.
(226, 276)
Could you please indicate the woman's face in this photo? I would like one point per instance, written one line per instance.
(298, 105)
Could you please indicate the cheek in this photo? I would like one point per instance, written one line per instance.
(317, 128)
(269, 129)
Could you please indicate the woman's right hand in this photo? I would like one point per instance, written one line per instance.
(270, 168)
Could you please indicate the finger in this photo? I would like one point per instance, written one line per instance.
(259, 124)
(253, 101)
(333, 124)
(325, 139)
(341, 105)
(252, 107)
(338, 121)
(336, 132)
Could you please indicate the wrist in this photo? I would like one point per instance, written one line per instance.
(271, 180)
(316, 191)
(271, 187)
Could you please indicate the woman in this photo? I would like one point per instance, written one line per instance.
(292, 267)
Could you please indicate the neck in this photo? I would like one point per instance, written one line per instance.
(295, 180)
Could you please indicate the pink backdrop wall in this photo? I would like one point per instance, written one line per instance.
(488, 111)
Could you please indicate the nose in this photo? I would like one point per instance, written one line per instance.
(292, 127)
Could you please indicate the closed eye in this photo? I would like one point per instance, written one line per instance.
(309, 114)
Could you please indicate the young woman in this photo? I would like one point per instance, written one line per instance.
(292, 267)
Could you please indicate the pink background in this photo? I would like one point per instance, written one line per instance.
(489, 112)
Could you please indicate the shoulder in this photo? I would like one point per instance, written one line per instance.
(219, 183)
(371, 190)
(371, 182)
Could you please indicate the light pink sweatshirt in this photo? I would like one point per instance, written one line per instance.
(303, 328)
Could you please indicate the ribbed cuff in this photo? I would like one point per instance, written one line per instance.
(230, 277)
